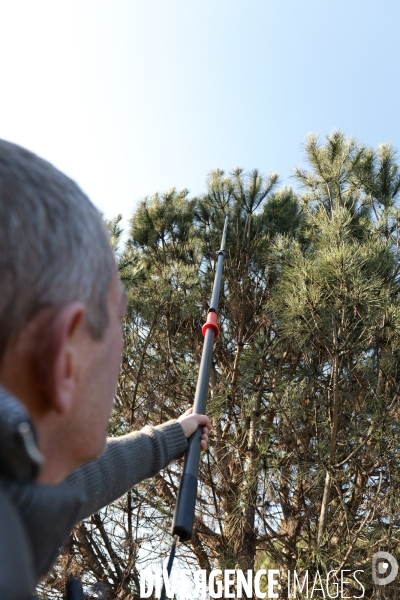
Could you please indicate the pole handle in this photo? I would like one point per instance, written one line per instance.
(182, 523)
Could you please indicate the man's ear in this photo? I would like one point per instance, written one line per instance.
(61, 370)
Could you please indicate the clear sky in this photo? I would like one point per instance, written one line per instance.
(130, 97)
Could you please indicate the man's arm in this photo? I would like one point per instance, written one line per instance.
(127, 460)
(49, 512)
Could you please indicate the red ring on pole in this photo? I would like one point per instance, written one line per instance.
(211, 322)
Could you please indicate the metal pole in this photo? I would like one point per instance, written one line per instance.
(184, 510)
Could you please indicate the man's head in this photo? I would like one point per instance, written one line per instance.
(60, 305)
(53, 247)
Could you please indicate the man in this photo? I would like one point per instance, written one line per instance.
(61, 305)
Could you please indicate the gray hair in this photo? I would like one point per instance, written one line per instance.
(54, 248)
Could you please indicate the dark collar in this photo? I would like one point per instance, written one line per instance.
(20, 458)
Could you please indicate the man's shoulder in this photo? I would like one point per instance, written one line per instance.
(17, 580)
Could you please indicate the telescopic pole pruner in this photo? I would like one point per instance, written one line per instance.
(182, 524)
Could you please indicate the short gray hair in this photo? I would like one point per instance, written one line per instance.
(54, 248)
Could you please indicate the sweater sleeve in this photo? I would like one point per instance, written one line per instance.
(126, 460)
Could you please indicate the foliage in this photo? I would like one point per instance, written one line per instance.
(303, 466)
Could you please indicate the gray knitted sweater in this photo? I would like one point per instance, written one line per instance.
(35, 520)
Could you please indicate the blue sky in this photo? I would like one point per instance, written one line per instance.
(130, 97)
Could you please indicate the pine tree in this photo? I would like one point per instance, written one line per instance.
(337, 304)
(174, 258)
(303, 466)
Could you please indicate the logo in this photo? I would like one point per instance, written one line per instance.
(384, 568)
